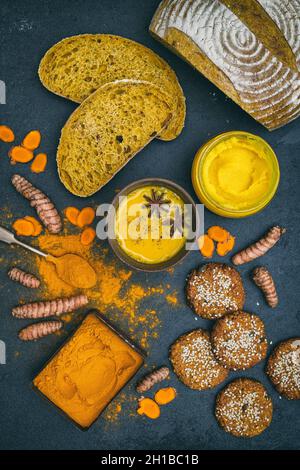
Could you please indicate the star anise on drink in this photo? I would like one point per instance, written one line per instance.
(176, 224)
(156, 203)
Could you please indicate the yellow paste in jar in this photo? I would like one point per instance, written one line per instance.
(88, 371)
(237, 173)
(145, 238)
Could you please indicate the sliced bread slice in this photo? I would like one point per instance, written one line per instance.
(107, 130)
(77, 66)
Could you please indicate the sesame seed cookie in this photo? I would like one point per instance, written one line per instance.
(244, 408)
(215, 290)
(239, 340)
(194, 363)
(283, 368)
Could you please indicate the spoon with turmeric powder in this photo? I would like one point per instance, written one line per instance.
(69, 267)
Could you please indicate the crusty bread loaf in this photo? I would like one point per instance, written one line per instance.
(249, 49)
(107, 130)
(77, 66)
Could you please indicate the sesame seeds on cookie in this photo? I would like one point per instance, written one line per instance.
(244, 408)
(283, 368)
(215, 290)
(239, 340)
(194, 363)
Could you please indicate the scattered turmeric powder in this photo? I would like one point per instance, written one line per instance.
(225, 247)
(72, 214)
(87, 236)
(165, 395)
(149, 408)
(20, 154)
(39, 163)
(6, 134)
(37, 226)
(32, 140)
(206, 246)
(218, 234)
(86, 217)
(23, 227)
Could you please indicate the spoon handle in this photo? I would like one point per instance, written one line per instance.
(8, 237)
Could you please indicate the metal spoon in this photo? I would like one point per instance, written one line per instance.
(75, 264)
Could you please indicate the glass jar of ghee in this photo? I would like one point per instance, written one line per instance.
(235, 174)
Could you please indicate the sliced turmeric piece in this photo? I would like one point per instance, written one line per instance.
(72, 214)
(86, 217)
(225, 247)
(149, 408)
(23, 227)
(87, 236)
(206, 246)
(39, 163)
(20, 154)
(217, 233)
(36, 224)
(32, 140)
(6, 134)
(165, 395)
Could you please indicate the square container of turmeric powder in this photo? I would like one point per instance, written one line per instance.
(89, 370)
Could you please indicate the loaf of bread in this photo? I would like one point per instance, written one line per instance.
(250, 49)
(77, 66)
(107, 130)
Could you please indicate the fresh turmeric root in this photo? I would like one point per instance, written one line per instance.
(26, 279)
(50, 308)
(165, 395)
(218, 234)
(260, 248)
(39, 330)
(23, 227)
(87, 236)
(6, 134)
(264, 281)
(206, 246)
(86, 217)
(149, 408)
(225, 247)
(20, 154)
(39, 163)
(72, 214)
(42, 204)
(37, 226)
(153, 378)
(32, 140)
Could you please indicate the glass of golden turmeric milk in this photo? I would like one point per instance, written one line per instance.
(235, 174)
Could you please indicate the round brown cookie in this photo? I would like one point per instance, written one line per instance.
(283, 368)
(215, 290)
(239, 340)
(244, 408)
(194, 363)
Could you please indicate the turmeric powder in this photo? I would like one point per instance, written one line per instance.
(32, 140)
(20, 154)
(6, 134)
(86, 217)
(149, 408)
(206, 246)
(88, 371)
(39, 163)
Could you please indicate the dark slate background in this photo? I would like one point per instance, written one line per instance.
(27, 30)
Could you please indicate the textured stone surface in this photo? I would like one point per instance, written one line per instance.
(26, 32)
